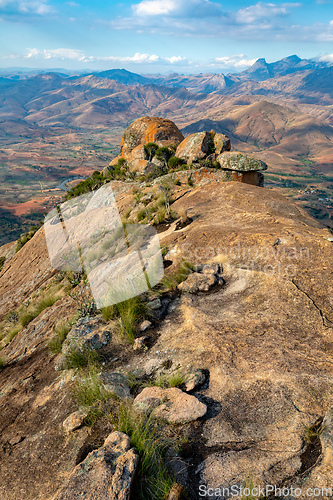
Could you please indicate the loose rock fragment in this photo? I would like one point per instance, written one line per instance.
(75, 420)
(173, 405)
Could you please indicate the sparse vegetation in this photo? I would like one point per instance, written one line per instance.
(170, 281)
(175, 162)
(130, 313)
(61, 330)
(312, 432)
(89, 390)
(25, 237)
(36, 308)
(85, 303)
(174, 379)
(2, 363)
(153, 480)
(91, 184)
(81, 358)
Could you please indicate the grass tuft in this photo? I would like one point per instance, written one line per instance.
(172, 280)
(61, 331)
(130, 313)
(89, 390)
(174, 379)
(86, 358)
(153, 480)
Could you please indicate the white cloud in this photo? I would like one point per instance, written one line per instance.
(76, 55)
(254, 13)
(331, 22)
(25, 7)
(325, 58)
(155, 7)
(79, 55)
(237, 61)
(177, 8)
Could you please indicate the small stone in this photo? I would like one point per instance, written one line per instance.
(198, 282)
(117, 443)
(75, 420)
(140, 343)
(152, 365)
(194, 380)
(154, 304)
(16, 440)
(145, 325)
(173, 405)
(122, 478)
(117, 384)
(221, 143)
(211, 269)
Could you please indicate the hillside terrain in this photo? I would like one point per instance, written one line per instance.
(251, 352)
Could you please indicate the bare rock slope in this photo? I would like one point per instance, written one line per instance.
(264, 339)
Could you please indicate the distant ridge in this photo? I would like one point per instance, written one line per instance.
(262, 70)
(123, 76)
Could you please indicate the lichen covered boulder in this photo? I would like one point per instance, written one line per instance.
(239, 161)
(195, 147)
(149, 129)
(221, 143)
(105, 473)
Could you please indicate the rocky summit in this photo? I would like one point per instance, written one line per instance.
(154, 146)
(231, 384)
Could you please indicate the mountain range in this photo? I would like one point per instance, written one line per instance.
(63, 124)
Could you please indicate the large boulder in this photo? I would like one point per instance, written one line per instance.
(106, 473)
(149, 129)
(195, 147)
(240, 162)
(221, 143)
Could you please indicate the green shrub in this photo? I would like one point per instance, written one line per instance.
(153, 480)
(142, 214)
(175, 162)
(2, 363)
(160, 215)
(150, 150)
(164, 154)
(91, 184)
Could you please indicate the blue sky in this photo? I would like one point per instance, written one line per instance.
(151, 36)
